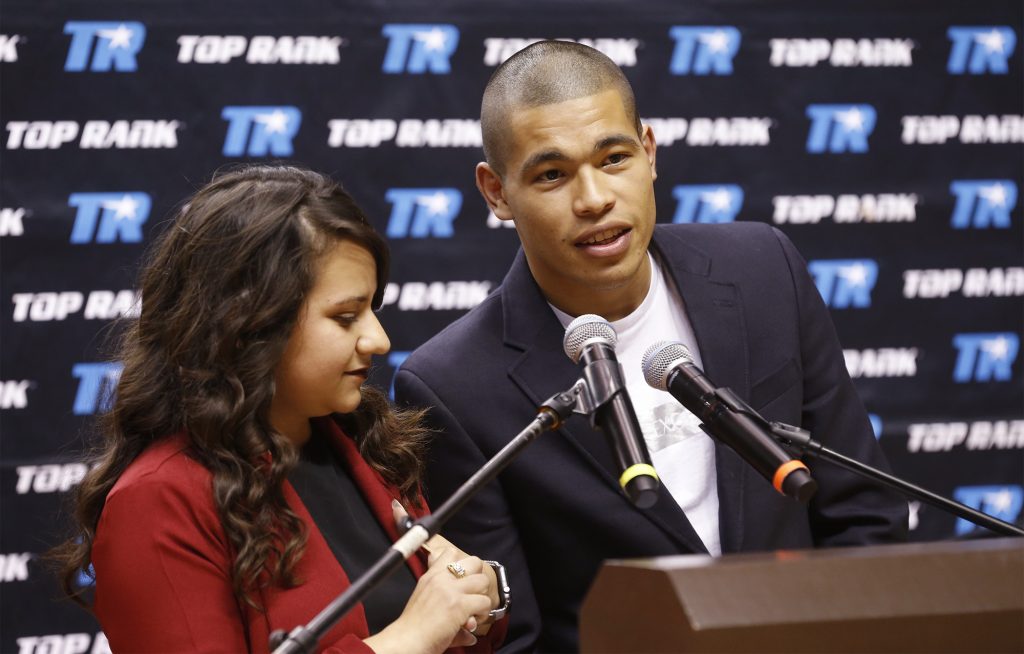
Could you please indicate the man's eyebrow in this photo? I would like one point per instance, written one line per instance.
(542, 157)
(616, 139)
(558, 155)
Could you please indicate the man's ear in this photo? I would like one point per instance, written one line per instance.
(651, 148)
(488, 181)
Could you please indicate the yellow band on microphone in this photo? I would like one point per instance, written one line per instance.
(636, 470)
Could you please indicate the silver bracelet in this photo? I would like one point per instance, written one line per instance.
(504, 591)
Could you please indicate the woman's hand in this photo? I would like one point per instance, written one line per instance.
(436, 548)
(442, 552)
(444, 608)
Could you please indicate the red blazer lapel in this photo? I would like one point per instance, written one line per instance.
(377, 492)
(322, 580)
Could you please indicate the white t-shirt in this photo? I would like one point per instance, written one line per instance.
(683, 455)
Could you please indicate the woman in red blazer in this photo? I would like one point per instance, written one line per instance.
(246, 473)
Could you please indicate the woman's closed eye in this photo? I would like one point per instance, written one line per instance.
(346, 319)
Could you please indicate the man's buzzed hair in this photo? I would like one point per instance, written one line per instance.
(546, 72)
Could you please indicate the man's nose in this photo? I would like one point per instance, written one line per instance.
(593, 196)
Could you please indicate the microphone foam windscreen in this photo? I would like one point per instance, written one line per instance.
(585, 328)
(661, 358)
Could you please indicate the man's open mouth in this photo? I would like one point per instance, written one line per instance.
(605, 237)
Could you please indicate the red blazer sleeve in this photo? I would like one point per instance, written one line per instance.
(163, 578)
(162, 567)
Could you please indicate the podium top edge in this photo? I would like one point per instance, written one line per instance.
(676, 562)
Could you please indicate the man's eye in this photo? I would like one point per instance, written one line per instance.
(617, 158)
(550, 175)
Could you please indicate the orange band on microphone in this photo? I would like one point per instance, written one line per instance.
(783, 472)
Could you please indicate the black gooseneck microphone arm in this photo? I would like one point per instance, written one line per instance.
(665, 361)
(799, 440)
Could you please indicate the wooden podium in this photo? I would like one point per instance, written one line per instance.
(930, 597)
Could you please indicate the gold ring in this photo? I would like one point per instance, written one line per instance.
(457, 570)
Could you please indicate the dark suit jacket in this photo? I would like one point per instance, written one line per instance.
(163, 562)
(556, 513)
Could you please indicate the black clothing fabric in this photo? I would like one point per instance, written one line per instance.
(349, 527)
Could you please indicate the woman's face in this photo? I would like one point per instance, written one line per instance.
(327, 357)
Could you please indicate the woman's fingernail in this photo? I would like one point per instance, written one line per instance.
(395, 504)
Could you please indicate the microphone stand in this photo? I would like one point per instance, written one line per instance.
(549, 417)
(801, 441)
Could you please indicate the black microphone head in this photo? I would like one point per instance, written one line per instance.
(584, 329)
(660, 359)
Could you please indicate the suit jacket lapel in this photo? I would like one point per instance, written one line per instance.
(544, 369)
(714, 308)
(531, 327)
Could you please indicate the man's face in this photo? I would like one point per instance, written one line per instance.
(579, 186)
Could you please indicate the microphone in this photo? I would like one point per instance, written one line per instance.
(668, 366)
(591, 339)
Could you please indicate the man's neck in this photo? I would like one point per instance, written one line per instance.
(609, 303)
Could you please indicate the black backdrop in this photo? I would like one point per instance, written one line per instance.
(884, 138)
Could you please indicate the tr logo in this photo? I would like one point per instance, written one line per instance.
(103, 46)
(109, 217)
(419, 49)
(259, 131)
(395, 359)
(985, 357)
(980, 50)
(96, 385)
(714, 203)
(703, 50)
(983, 203)
(845, 283)
(1002, 502)
(423, 212)
(840, 127)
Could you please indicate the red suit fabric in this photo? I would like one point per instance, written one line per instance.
(163, 562)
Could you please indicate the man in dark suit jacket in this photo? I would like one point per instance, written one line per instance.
(569, 162)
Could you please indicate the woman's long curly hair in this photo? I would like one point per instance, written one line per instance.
(221, 292)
